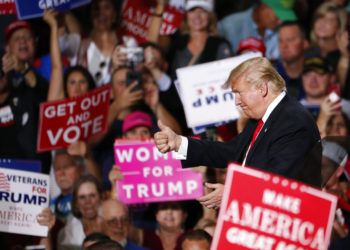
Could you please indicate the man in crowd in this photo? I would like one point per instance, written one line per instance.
(19, 110)
(196, 240)
(116, 223)
(292, 44)
(258, 21)
(279, 136)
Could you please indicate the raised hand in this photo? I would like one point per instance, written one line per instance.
(166, 139)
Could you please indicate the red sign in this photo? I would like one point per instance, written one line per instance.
(66, 121)
(7, 7)
(265, 211)
(136, 19)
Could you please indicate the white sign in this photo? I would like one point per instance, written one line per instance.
(202, 94)
(23, 195)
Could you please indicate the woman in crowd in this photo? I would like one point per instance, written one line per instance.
(170, 217)
(76, 80)
(85, 220)
(96, 50)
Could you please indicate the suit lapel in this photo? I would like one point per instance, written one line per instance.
(269, 122)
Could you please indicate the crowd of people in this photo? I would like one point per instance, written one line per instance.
(312, 58)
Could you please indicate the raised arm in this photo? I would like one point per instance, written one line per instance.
(56, 90)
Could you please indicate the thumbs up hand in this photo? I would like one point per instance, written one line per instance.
(166, 139)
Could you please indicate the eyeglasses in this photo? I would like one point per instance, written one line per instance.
(118, 221)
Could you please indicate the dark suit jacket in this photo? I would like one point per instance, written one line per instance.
(288, 144)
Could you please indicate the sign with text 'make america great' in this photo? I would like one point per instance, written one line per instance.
(23, 195)
(150, 176)
(265, 211)
(66, 121)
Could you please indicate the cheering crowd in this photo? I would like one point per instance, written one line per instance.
(308, 44)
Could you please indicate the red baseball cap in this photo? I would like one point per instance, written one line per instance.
(251, 44)
(15, 25)
(135, 119)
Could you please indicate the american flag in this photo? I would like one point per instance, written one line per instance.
(4, 183)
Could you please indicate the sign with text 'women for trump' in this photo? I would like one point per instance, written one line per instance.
(23, 195)
(150, 176)
(66, 121)
(260, 210)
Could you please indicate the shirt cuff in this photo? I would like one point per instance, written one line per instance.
(181, 154)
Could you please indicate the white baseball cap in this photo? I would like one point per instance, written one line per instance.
(204, 4)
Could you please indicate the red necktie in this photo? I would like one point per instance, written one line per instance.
(256, 132)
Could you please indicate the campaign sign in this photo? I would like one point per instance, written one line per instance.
(66, 121)
(265, 211)
(150, 176)
(202, 94)
(26, 165)
(136, 19)
(36, 7)
(7, 7)
(23, 195)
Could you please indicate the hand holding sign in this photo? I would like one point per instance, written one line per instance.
(166, 140)
(213, 199)
(46, 218)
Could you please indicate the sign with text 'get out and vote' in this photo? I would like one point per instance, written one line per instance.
(66, 121)
(265, 211)
(200, 88)
(23, 195)
(36, 7)
(150, 176)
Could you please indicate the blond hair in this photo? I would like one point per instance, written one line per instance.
(322, 10)
(257, 71)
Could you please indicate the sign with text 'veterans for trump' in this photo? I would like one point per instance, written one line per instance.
(202, 94)
(260, 210)
(66, 121)
(23, 195)
(150, 176)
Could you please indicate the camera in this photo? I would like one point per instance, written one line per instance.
(134, 55)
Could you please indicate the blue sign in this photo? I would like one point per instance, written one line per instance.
(35, 8)
(26, 165)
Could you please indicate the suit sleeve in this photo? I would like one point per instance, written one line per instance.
(212, 154)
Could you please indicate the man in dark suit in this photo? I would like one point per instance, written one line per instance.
(280, 137)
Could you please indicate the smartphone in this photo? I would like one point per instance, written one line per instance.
(133, 76)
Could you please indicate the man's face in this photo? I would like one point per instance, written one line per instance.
(291, 43)
(115, 220)
(21, 44)
(195, 245)
(315, 84)
(66, 172)
(248, 98)
(268, 18)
